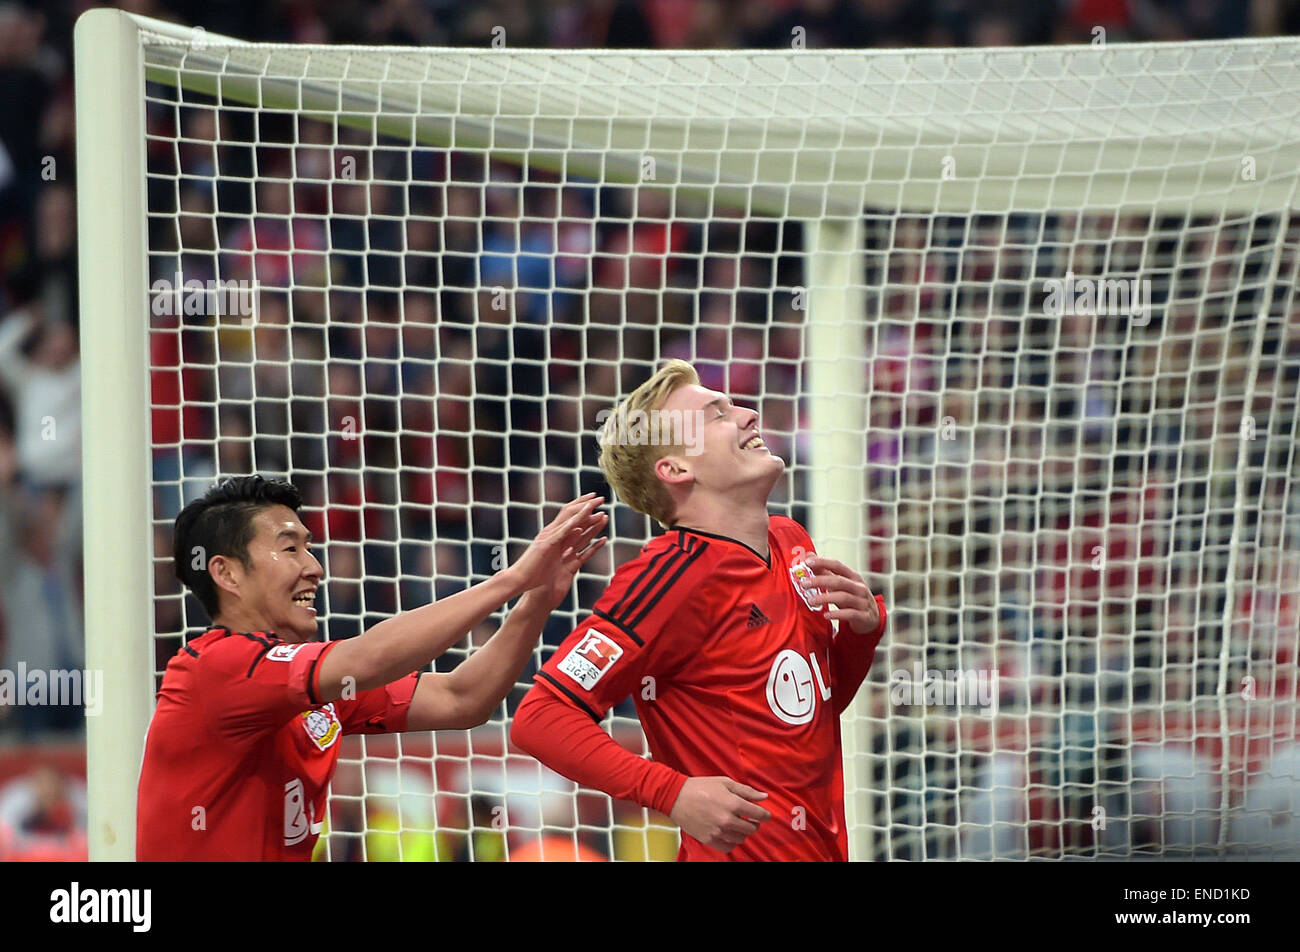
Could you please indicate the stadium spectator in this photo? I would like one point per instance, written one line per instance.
(41, 372)
(43, 818)
(41, 603)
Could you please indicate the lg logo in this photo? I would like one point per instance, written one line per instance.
(299, 815)
(791, 693)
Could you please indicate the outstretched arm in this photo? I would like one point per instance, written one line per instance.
(409, 641)
(13, 331)
(467, 696)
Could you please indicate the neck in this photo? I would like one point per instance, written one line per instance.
(236, 620)
(745, 522)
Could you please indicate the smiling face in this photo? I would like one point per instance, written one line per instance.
(730, 460)
(276, 591)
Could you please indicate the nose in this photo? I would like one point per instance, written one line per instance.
(315, 571)
(750, 419)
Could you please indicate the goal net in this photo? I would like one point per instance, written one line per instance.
(1022, 324)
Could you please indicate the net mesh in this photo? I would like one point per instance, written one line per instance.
(1078, 453)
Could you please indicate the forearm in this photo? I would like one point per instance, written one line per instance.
(851, 658)
(407, 642)
(9, 541)
(573, 745)
(13, 330)
(480, 682)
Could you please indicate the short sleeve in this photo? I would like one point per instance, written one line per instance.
(378, 710)
(250, 682)
(637, 629)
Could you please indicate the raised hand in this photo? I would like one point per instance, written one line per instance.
(844, 588)
(560, 549)
(572, 559)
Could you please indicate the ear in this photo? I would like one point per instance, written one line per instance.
(227, 573)
(673, 470)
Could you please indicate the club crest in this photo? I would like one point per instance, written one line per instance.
(798, 572)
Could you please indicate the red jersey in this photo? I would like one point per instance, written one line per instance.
(240, 751)
(732, 673)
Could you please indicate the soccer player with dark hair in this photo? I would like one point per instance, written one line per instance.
(245, 735)
(721, 631)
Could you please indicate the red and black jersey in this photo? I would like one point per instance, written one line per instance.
(240, 751)
(732, 673)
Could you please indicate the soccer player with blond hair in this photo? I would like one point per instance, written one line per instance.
(722, 632)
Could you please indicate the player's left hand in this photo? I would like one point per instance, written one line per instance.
(560, 549)
(584, 545)
(845, 589)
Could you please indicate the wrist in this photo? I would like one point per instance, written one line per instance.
(510, 582)
(663, 788)
(532, 603)
(879, 631)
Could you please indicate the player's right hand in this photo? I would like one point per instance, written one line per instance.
(566, 538)
(718, 811)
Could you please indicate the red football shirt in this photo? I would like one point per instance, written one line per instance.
(240, 751)
(732, 673)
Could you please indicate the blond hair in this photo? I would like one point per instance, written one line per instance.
(629, 466)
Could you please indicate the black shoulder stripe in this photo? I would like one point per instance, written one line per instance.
(620, 626)
(617, 609)
(256, 661)
(569, 694)
(663, 589)
(676, 557)
(190, 650)
(311, 678)
(268, 643)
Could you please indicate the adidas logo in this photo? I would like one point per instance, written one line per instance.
(756, 617)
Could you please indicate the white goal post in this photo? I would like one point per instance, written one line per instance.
(941, 205)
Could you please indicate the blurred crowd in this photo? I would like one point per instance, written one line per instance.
(435, 334)
(40, 386)
(43, 816)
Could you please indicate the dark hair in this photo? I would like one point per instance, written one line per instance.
(220, 522)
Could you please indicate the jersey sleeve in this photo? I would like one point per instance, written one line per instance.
(380, 710)
(253, 683)
(852, 656)
(641, 627)
(566, 740)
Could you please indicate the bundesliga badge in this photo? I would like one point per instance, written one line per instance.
(798, 572)
(591, 658)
